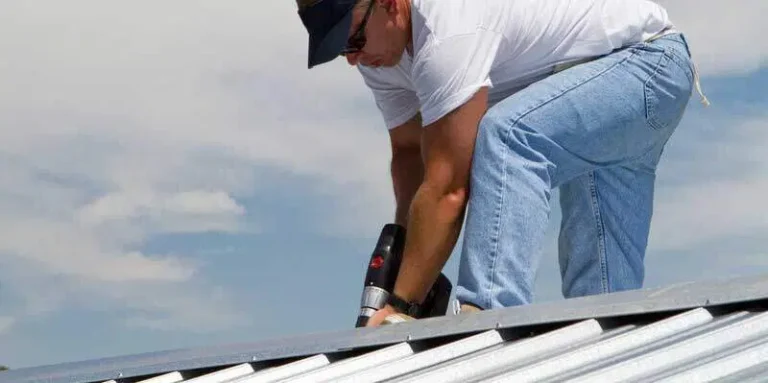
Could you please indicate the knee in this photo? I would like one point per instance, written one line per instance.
(506, 136)
(514, 133)
(489, 144)
(491, 126)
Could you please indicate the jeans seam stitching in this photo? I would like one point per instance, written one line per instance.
(600, 232)
(496, 229)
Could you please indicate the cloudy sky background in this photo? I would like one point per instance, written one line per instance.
(173, 176)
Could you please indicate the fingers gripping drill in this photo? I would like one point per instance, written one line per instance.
(382, 273)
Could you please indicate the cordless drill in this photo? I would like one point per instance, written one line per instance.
(382, 273)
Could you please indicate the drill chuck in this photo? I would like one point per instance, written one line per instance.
(373, 299)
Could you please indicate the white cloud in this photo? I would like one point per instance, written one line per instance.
(121, 121)
(722, 34)
(5, 324)
(61, 249)
(130, 120)
(713, 208)
(192, 211)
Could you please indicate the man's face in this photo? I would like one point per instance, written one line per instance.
(385, 34)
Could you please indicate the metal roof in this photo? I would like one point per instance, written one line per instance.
(705, 331)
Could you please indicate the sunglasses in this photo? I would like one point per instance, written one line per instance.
(357, 41)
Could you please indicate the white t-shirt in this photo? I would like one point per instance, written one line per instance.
(462, 45)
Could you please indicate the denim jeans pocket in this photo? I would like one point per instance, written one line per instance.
(667, 92)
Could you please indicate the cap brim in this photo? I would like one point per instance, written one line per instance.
(323, 49)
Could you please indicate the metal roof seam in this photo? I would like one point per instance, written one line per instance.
(722, 365)
(171, 377)
(650, 347)
(513, 352)
(550, 367)
(443, 353)
(689, 349)
(347, 366)
(287, 370)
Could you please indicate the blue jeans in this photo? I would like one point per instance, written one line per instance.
(596, 131)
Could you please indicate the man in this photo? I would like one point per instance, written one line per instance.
(490, 105)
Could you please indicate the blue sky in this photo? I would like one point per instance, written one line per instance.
(173, 176)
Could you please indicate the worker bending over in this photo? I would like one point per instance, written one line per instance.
(490, 105)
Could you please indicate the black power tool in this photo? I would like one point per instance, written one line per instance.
(382, 274)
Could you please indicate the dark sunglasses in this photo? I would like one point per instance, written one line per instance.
(357, 41)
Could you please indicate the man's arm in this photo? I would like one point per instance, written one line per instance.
(437, 209)
(407, 168)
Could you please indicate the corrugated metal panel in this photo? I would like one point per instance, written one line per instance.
(224, 375)
(695, 345)
(172, 377)
(723, 341)
(428, 358)
(290, 369)
(363, 362)
(603, 349)
(717, 340)
(512, 352)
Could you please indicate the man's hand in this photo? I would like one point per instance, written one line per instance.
(380, 315)
(437, 210)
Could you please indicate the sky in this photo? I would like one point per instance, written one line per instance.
(172, 175)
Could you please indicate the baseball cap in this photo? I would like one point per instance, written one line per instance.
(328, 23)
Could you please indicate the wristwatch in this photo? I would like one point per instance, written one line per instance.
(404, 307)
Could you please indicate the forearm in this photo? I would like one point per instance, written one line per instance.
(407, 174)
(434, 225)
(437, 210)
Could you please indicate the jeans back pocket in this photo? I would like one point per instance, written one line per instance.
(667, 92)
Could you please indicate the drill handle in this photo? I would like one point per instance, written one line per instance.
(386, 258)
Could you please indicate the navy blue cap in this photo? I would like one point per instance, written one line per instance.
(328, 23)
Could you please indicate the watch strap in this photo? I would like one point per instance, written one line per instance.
(404, 307)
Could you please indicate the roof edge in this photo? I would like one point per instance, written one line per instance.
(675, 297)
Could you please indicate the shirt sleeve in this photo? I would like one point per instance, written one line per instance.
(393, 94)
(448, 72)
